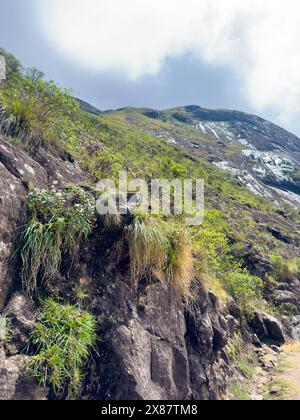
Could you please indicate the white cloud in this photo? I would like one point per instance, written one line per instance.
(258, 39)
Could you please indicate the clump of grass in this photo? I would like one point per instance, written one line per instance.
(148, 247)
(63, 339)
(162, 251)
(57, 222)
(283, 269)
(180, 263)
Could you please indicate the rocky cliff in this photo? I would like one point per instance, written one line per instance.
(152, 347)
(138, 306)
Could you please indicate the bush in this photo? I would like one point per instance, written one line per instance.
(63, 338)
(56, 224)
(244, 288)
(283, 269)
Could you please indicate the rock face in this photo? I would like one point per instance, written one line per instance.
(17, 172)
(2, 69)
(21, 314)
(15, 384)
(151, 347)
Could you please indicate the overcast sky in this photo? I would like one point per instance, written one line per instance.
(238, 54)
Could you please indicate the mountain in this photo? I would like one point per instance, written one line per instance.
(263, 156)
(140, 306)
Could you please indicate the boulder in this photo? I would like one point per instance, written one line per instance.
(285, 297)
(15, 383)
(267, 328)
(21, 314)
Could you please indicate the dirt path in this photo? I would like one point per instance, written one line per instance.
(285, 384)
(276, 377)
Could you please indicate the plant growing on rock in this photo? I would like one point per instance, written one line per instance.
(57, 221)
(160, 250)
(64, 338)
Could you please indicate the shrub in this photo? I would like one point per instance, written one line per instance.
(63, 338)
(245, 288)
(57, 222)
(283, 269)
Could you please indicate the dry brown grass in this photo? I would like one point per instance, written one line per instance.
(160, 251)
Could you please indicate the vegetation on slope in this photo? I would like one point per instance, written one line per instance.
(63, 340)
(56, 223)
(35, 113)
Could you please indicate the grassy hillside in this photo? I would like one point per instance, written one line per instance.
(239, 227)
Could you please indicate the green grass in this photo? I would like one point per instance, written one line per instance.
(35, 113)
(63, 339)
(283, 391)
(240, 392)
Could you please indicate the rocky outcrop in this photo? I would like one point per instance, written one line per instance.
(268, 328)
(2, 69)
(151, 347)
(21, 315)
(15, 382)
(18, 173)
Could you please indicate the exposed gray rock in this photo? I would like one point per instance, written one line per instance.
(268, 328)
(2, 69)
(16, 383)
(282, 296)
(18, 172)
(21, 314)
(60, 172)
(12, 215)
(151, 347)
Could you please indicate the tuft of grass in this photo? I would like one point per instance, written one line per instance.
(64, 338)
(246, 367)
(57, 221)
(180, 264)
(148, 247)
(161, 251)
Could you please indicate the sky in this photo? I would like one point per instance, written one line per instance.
(237, 54)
